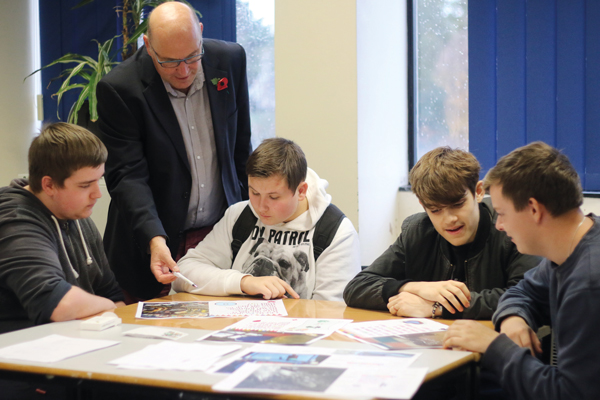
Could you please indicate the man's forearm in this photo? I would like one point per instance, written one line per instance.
(406, 287)
(77, 303)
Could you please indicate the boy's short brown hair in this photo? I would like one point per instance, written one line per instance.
(60, 150)
(443, 175)
(537, 171)
(278, 156)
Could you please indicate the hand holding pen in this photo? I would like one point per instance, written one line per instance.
(161, 262)
(180, 275)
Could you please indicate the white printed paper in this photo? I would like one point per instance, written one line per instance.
(398, 334)
(53, 348)
(321, 326)
(316, 356)
(246, 308)
(277, 330)
(204, 309)
(394, 327)
(172, 309)
(379, 382)
(152, 332)
(368, 360)
(349, 382)
(174, 356)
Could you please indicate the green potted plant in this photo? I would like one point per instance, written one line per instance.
(90, 70)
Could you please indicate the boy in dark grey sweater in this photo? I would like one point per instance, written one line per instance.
(52, 261)
(537, 194)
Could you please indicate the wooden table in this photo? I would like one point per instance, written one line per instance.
(296, 308)
(301, 308)
(87, 374)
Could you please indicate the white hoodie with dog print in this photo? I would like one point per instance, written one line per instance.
(284, 250)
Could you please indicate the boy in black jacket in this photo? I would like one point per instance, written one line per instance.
(449, 261)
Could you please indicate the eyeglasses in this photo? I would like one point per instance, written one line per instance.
(175, 63)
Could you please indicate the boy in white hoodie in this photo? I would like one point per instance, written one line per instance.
(287, 200)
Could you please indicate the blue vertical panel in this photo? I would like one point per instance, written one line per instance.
(511, 81)
(64, 30)
(592, 96)
(570, 75)
(218, 18)
(547, 81)
(541, 71)
(482, 82)
(50, 48)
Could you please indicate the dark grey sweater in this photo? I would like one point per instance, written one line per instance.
(36, 271)
(566, 297)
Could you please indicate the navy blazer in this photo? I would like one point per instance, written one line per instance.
(147, 172)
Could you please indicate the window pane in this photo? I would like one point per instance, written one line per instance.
(255, 31)
(441, 75)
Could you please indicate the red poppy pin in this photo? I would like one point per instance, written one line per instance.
(220, 83)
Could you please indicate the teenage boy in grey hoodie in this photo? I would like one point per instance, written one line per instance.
(52, 261)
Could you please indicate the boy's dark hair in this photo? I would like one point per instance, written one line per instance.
(278, 156)
(60, 150)
(443, 175)
(537, 171)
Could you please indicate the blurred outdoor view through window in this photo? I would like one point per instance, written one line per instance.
(441, 75)
(255, 21)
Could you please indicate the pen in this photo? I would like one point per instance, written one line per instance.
(180, 275)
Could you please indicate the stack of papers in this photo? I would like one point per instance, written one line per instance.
(345, 383)
(329, 371)
(277, 330)
(203, 309)
(314, 356)
(398, 334)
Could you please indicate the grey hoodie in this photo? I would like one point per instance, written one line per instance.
(42, 257)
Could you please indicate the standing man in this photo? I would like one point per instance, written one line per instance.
(537, 194)
(175, 118)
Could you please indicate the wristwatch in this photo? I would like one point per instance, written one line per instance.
(436, 305)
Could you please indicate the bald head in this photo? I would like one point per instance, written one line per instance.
(175, 34)
(173, 19)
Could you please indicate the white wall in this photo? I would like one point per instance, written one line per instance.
(382, 122)
(315, 90)
(340, 82)
(18, 113)
(591, 205)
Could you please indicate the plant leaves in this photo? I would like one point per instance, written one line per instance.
(80, 100)
(81, 4)
(142, 28)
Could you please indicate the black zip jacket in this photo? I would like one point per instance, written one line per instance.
(421, 254)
